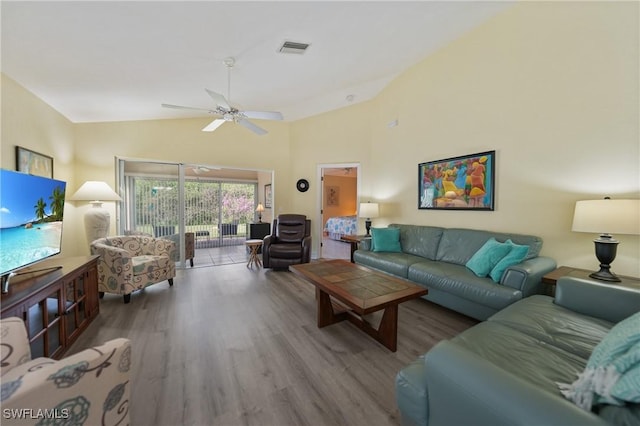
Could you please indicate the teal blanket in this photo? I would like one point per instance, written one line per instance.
(612, 374)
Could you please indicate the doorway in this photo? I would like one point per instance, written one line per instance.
(214, 205)
(338, 208)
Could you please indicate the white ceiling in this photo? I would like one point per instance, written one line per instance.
(119, 60)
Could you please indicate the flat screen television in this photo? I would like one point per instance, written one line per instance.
(31, 213)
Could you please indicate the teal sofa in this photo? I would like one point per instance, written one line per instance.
(435, 258)
(506, 370)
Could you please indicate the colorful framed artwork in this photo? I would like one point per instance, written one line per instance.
(33, 163)
(458, 183)
(267, 196)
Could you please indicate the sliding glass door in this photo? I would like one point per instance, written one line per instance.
(169, 200)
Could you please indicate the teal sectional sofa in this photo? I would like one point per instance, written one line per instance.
(435, 258)
(507, 370)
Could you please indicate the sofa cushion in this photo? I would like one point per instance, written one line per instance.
(461, 282)
(615, 415)
(458, 245)
(488, 256)
(419, 240)
(285, 251)
(516, 255)
(521, 355)
(542, 319)
(386, 240)
(392, 263)
(147, 264)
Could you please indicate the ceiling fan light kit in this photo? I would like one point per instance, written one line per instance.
(226, 112)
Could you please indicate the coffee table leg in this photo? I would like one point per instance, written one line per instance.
(388, 329)
(386, 334)
(326, 316)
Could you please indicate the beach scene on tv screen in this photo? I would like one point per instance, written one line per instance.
(31, 212)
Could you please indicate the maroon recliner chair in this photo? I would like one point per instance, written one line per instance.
(289, 242)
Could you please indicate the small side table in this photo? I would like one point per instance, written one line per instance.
(257, 231)
(253, 246)
(354, 240)
(552, 278)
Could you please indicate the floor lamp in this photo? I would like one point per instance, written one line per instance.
(607, 217)
(96, 219)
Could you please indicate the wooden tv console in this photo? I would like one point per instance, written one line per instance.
(56, 304)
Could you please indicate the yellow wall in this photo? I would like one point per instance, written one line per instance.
(553, 87)
(30, 123)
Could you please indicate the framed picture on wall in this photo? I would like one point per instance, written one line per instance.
(333, 196)
(267, 196)
(33, 163)
(458, 183)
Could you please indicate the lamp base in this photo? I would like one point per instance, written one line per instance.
(96, 222)
(605, 275)
(367, 225)
(606, 249)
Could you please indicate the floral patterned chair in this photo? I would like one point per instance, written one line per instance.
(189, 244)
(133, 262)
(89, 388)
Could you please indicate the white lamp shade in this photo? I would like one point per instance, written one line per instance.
(93, 190)
(369, 210)
(607, 217)
(260, 208)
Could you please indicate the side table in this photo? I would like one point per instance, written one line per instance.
(552, 278)
(257, 231)
(354, 240)
(253, 246)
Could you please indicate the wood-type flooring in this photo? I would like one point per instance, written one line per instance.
(227, 345)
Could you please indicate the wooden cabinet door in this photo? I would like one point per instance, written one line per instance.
(44, 324)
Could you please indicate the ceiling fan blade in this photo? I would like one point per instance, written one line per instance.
(213, 125)
(219, 99)
(249, 125)
(186, 107)
(263, 115)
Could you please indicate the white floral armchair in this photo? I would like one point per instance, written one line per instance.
(91, 387)
(132, 262)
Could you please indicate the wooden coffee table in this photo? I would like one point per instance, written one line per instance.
(360, 291)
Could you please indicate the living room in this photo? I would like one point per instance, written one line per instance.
(553, 108)
(552, 87)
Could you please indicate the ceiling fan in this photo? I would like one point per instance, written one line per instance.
(228, 113)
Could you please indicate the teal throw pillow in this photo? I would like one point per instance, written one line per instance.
(488, 256)
(515, 256)
(386, 240)
(612, 374)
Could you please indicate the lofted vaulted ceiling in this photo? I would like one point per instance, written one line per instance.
(119, 60)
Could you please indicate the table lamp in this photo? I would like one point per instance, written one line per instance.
(260, 209)
(96, 219)
(368, 210)
(607, 217)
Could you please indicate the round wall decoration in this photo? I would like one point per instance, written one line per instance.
(302, 185)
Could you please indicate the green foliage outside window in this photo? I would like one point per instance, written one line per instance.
(206, 202)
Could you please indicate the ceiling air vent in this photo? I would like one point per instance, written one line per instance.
(293, 47)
